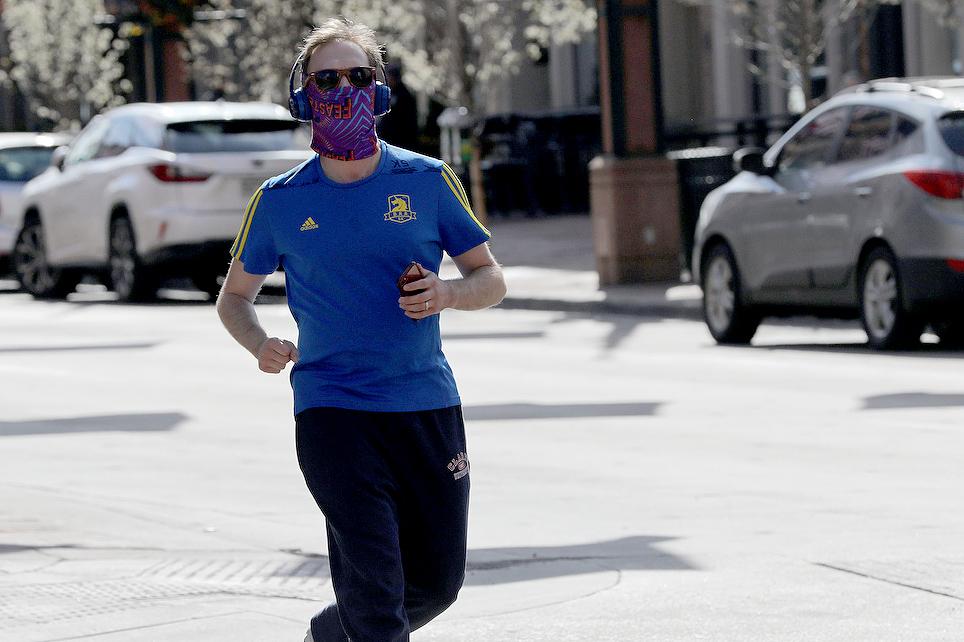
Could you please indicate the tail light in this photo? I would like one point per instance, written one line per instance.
(956, 264)
(174, 174)
(942, 184)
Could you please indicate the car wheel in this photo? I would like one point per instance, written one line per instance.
(129, 278)
(887, 323)
(35, 274)
(728, 318)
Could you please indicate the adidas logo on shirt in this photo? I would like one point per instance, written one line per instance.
(309, 224)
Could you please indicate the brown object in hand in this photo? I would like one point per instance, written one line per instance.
(412, 273)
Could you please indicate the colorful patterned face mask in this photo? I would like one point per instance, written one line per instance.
(343, 122)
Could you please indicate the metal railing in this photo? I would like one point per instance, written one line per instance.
(758, 131)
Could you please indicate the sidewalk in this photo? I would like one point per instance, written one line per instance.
(549, 265)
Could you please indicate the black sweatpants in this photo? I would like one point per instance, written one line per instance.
(394, 489)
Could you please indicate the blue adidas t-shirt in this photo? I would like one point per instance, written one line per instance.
(343, 247)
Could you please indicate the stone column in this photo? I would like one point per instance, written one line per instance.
(634, 188)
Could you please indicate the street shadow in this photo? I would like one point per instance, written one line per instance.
(144, 422)
(469, 336)
(621, 324)
(75, 302)
(154, 303)
(487, 566)
(175, 292)
(491, 566)
(6, 549)
(928, 350)
(500, 412)
(115, 346)
(913, 400)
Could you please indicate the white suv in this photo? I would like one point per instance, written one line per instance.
(150, 191)
(22, 157)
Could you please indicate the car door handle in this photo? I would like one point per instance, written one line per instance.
(863, 191)
(804, 197)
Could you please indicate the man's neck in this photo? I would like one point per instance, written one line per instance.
(351, 171)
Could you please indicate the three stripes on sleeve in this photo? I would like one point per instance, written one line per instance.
(242, 238)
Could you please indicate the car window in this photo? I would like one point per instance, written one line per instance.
(117, 139)
(20, 164)
(811, 147)
(145, 134)
(251, 135)
(951, 127)
(868, 134)
(904, 129)
(85, 147)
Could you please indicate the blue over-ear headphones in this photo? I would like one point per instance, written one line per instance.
(300, 108)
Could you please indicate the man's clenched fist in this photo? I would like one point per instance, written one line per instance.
(274, 354)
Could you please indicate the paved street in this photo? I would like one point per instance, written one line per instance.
(630, 481)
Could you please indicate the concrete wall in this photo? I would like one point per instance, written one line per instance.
(732, 82)
(685, 56)
(573, 74)
(929, 48)
(705, 75)
(525, 92)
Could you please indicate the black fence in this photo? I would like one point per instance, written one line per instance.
(537, 164)
(759, 131)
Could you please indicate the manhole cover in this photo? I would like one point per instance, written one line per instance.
(165, 580)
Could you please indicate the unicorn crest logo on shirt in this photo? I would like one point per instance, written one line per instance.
(399, 209)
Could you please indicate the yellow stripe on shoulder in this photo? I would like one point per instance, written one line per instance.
(246, 227)
(244, 223)
(455, 191)
(456, 186)
(455, 179)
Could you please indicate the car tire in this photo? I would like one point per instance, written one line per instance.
(128, 277)
(729, 319)
(888, 324)
(32, 270)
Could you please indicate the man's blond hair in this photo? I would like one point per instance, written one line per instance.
(343, 30)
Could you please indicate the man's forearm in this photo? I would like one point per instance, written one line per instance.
(239, 318)
(483, 288)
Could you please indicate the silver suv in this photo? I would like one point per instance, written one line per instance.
(857, 211)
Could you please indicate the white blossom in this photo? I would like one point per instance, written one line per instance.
(451, 49)
(64, 62)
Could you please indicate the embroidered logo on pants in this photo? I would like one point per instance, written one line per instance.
(459, 466)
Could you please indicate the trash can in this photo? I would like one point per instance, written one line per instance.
(701, 170)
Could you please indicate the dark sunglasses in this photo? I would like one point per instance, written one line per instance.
(325, 79)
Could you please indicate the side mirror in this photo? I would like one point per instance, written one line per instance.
(750, 159)
(57, 158)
